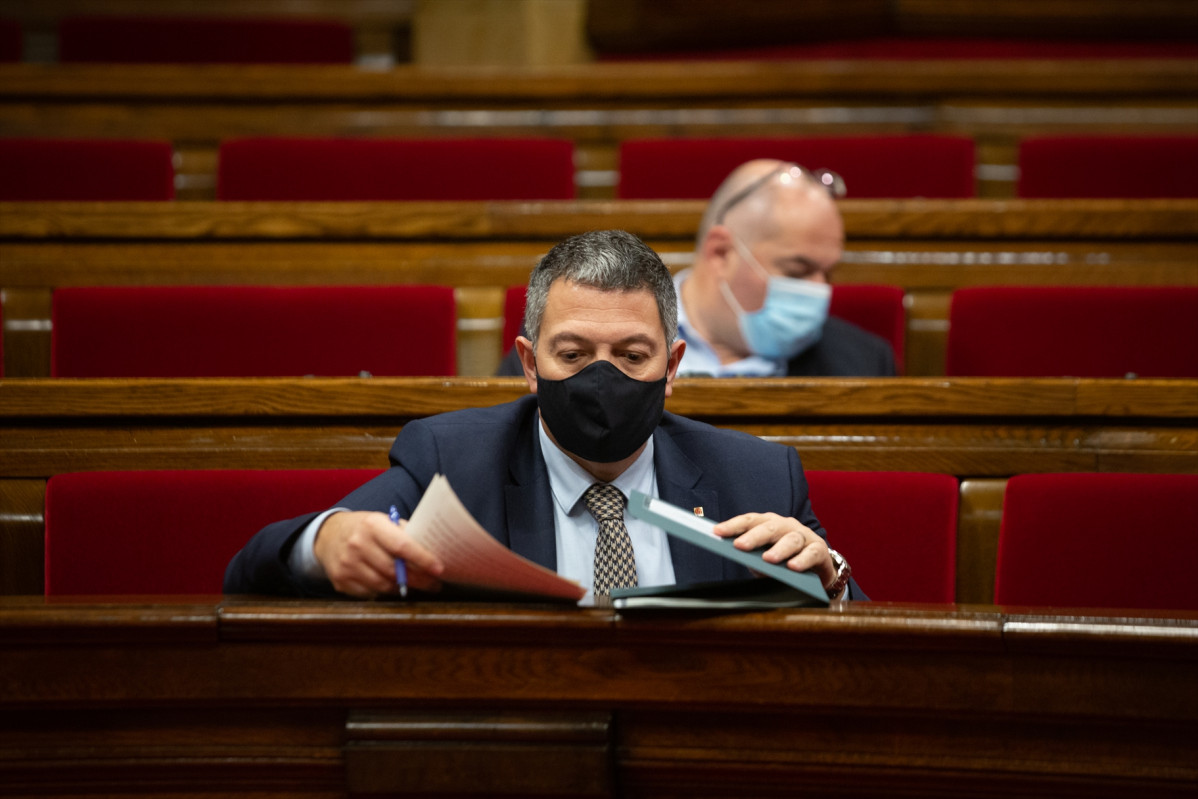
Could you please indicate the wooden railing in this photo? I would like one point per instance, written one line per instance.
(927, 247)
(234, 696)
(981, 431)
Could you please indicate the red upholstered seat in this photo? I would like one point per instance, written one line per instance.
(1073, 331)
(878, 309)
(395, 169)
(1099, 540)
(86, 169)
(1108, 166)
(170, 532)
(513, 314)
(12, 41)
(198, 40)
(898, 530)
(253, 331)
(872, 166)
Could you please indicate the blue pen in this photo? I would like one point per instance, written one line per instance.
(401, 568)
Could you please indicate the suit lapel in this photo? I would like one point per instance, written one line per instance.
(679, 482)
(529, 500)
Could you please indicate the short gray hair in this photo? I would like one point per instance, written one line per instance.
(609, 260)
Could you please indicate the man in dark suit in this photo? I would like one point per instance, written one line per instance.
(599, 364)
(755, 301)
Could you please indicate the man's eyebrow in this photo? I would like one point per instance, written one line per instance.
(566, 337)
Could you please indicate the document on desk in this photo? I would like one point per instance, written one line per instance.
(472, 557)
(777, 587)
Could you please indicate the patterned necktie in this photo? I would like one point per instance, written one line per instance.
(615, 566)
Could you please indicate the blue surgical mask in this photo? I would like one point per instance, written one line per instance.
(792, 317)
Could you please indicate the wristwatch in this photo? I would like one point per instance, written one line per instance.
(842, 575)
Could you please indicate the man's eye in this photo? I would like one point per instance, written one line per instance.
(634, 357)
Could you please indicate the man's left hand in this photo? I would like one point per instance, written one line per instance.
(793, 543)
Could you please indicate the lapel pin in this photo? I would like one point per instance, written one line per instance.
(699, 511)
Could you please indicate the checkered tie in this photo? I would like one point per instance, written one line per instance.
(615, 565)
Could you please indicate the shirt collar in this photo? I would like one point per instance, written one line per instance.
(568, 481)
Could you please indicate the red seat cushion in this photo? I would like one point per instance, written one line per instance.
(253, 331)
(86, 169)
(1099, 540)
(170, 532)
(395, 169)
(872, 166)
(198, 40)
(898, 530)
(1073, 331)
(1108, 166)
(878, 309)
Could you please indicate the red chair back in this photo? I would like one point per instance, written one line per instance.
(200, 40)
(1108, 166)
(170, 532)
(85, 170)
(395, 169)
(1099, 540)
(898, 530)
(877, 309)
(253, 331)
(872, 166)
(1073, 331)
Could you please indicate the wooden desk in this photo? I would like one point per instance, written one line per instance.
(927, 247)
(207, 696)
(982, 431)
(598, 105)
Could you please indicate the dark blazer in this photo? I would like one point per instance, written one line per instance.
(493, 461)
(843, 350)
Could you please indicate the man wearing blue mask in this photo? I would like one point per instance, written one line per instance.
(600, 361)
(755, 301)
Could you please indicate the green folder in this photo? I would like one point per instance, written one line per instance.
(777, 587)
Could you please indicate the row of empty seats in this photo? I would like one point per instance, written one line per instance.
(321, 169)
(1063, 542)
(409, 330)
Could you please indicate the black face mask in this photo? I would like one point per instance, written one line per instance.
(601, 414)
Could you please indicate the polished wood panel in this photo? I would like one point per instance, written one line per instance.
(311, 698)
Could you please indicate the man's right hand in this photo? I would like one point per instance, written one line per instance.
(357, 550)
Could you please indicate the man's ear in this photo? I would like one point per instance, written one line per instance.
(528, 360)
(676, 351)
(717, 245)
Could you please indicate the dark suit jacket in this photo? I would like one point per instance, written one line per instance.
(493, 461)
(843, 350)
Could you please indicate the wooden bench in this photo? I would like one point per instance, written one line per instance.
(982, 431)
(929, 247)
(597, 105)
